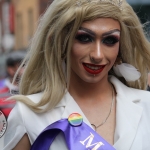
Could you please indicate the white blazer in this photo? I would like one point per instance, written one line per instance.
(132, 130)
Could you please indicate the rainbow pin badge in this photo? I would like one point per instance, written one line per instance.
(75, 119)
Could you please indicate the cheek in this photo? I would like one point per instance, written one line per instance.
(113, 53)
(78, 51)
(116, 52)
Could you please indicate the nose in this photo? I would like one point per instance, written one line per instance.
(96, 54)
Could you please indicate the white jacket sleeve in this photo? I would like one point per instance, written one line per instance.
(15, 129)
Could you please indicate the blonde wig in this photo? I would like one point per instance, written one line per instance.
(52, 44)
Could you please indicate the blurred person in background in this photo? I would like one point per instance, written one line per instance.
(7, 88)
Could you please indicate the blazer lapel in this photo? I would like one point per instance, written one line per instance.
(72, 107)
(128, 115)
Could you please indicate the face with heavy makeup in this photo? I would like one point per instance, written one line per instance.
(95, 49)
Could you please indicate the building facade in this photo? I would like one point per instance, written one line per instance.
(27, 13)
(18, 22)
(6, 32)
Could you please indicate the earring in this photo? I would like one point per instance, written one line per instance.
(129, 72)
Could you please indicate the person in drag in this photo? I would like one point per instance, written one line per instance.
(84, 83)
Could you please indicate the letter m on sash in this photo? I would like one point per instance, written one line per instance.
(89, 140)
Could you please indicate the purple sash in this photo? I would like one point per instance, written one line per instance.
(80, 137)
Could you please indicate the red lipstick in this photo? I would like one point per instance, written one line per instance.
(93, 69)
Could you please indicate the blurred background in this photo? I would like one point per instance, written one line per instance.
(18, 21)
(19, 18)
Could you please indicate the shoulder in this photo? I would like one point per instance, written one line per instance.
(131, 94)
(27, 99)
(144, 97)
(141, 93)
(134, 99)
(15, 129)
(22, 111)
(23, 120)
(22, 108)
(35, 97)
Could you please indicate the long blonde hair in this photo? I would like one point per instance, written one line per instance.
(52, 44)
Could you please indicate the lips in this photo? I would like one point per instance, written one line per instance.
(93, 69)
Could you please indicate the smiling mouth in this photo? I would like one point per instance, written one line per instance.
(93, 69)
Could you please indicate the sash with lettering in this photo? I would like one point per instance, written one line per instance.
(78, 136)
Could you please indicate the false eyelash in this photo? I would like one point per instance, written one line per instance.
(113, 41)
(84, 38)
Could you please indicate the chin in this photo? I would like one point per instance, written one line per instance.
(91, 80)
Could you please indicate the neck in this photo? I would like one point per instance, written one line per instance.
(81, 90)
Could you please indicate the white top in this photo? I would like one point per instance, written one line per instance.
(132, 130)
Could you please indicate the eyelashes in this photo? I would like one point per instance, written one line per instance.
(110, 40)
(86, 38)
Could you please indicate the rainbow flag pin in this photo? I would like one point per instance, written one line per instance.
(75, 119)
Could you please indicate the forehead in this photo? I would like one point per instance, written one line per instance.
(101, 24)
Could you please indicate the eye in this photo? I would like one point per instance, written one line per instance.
(110, 40)
(84, 38)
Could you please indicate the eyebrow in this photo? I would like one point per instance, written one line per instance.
(93, 33)
(110, 32)
(87, 30)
